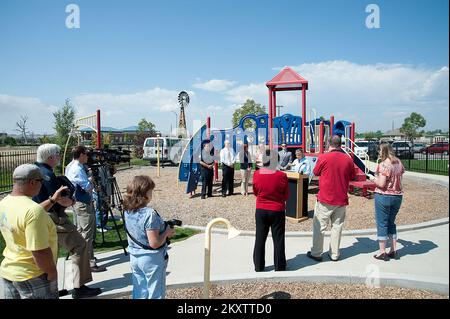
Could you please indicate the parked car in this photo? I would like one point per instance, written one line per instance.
(419, 147)
(361, 147)
(403, 149)
(437, 148)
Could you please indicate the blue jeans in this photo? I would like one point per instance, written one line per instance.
(149, 275)
(386, 209)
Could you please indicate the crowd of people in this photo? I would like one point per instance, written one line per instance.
(33, 220)
(335, 169)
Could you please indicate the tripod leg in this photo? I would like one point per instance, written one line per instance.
(118, 233)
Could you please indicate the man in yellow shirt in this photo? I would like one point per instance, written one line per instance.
(29, 268)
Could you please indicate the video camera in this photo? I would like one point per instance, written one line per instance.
(97, 157)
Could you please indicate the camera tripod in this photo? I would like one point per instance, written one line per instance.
(106, 207)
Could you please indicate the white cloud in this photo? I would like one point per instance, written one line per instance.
(156, 99)
(214, 108)
(39, 113)
(376, 94)
(215, 85)
(371, 95)
(121, 110)
(240, 94)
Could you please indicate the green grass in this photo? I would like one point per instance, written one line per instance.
(5, 178)
(237, 166)
(139, 162)
(112, 241)
(434, 166)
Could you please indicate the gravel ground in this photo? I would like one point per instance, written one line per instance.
(422, 202)
(296, 290)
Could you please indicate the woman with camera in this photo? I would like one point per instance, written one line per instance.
(147, 240)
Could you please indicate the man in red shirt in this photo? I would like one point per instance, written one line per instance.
(271, 189)
(335, 170)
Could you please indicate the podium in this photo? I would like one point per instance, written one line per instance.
(297, 203)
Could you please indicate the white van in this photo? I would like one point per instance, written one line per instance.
(170, 149)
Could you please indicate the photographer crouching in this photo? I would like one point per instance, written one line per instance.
(84, 207)
(48, 157)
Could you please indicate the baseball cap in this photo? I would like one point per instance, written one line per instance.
(29, 171)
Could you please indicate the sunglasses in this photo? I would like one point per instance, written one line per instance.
(39, 180)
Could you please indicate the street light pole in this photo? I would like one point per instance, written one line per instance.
(279, 107)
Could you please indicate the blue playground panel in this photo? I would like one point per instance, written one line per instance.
(287, 129)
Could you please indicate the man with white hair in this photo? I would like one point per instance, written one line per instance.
(29, 268)
(227, 158)
(48, 157)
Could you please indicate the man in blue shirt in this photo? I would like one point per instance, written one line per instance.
(84, 207)
(301, 164)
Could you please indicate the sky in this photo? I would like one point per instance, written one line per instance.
(131, 58)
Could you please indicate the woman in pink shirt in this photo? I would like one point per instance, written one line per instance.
(388, 199)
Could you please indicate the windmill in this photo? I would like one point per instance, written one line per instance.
(183, 99)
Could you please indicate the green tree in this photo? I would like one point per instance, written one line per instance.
(147, 127)
(45, 139)
(249, 107)
(412, 124)
(10, 141)
(106, 139)
(369, 135)
(126, 138)
(378, 134)
(64, 122)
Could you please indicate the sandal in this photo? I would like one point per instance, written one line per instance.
(392, 254)
(383, 256)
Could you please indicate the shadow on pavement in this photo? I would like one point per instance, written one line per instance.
(115, 283)
(364, 245)
(412, 248)
(115, 259)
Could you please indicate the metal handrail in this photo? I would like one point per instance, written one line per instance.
(364, 158)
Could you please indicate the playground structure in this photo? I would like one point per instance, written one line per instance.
(293, 130)
(90, 121)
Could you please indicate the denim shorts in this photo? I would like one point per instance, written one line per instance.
(386, 209)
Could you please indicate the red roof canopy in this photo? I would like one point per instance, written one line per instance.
(287, 79)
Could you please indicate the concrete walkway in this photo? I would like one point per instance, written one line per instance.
(423, 263)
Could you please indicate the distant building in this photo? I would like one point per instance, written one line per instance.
(115, 136)
(440, 138)
(393, 135)
(396, 135)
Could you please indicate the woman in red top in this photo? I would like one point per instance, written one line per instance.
(271, 190)
(388, 199)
